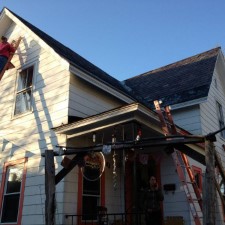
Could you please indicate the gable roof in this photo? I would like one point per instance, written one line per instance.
(179, 82)
(75, 59)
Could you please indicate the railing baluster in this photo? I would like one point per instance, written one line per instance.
(111, 218)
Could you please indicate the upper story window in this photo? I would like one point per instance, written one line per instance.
(220, 118)
(12, 189)
(24, 91)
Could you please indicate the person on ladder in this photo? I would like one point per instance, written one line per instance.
(5, 50)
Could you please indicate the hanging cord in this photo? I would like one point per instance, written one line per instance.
(114, 171)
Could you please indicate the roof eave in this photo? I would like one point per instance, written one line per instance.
(189, 103)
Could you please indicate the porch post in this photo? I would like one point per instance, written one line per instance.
(49, 188)
(209, 192)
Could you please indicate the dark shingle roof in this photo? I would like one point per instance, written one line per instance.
(179, 82)
(74, 59)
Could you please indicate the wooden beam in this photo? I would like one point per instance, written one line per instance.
(209, 185)
(77, 160)
(174, 141)
(49, 188)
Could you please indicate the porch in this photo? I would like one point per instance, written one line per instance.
(133, 146)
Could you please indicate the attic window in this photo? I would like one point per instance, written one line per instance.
(24, 91)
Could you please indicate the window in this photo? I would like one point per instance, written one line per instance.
(215, 82)
(12, 189)
(91, 190)
(91, 193)
(220, 118)
(198, 176)
(24, 91)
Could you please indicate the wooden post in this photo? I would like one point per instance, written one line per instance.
(49, 188)
(209, 191)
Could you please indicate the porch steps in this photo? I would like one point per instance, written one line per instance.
(182, 165)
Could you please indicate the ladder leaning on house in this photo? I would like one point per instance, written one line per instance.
(8, 64)
(182, 164)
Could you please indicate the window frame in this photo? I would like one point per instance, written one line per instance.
(220, 116)
(80, 195)
(22, 188)
(30, 88)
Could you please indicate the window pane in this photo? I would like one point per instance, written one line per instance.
(22, 81)
(89, 186)
(23, 102)
(10, 208)
(89, 208)
(14, 180)
(30, 76)
(25, 79)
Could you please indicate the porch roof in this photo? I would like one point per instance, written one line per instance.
(129, 113)
(134, 112)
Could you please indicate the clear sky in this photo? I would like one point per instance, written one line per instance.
(128, 37)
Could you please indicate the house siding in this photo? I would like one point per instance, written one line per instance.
(29, 134)
(188, 118)
(209, 119)
(87, 100)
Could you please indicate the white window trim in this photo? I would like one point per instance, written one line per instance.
(34, 64)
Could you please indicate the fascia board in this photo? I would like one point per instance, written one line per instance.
(189, 103)
(125, 114)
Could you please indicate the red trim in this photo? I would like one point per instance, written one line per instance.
(6, 165)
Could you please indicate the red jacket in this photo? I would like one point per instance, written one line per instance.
(6, 49)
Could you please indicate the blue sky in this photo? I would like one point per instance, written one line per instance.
(128, 37)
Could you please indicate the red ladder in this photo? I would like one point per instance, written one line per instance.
(8, 64)
(181, 163)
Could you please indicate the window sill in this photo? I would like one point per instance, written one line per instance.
(14, 117)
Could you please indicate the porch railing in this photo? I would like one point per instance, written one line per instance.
(106, 219)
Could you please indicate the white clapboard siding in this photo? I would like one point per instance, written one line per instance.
(188, 119)
(85, 100)
(209, 116)
(30, 134)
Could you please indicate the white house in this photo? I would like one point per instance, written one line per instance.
(56, 100)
